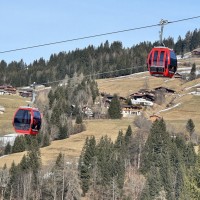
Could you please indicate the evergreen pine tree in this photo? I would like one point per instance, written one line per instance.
(46, 140)
(128, 135)
(34, 156)
(105, 160)
(28, 139)
(157, 154)
(118, 160)
(94, 90)
(63, 132)
(24, 164)
(166, 175)
(5, 166)
(114, 110)
(145, 195)
(119, 169)
(86, 163)
(179, 183)
(128, 101)
(39, 137)
(12, 187)
(51, 98)
(34, 161)
(190, 127)
(180, 144)
(79, 119)
(19, 144)
(59, 176)
(193, 72)
(85, 179)
(179, 46)
(189, 155)
(196, 172)
(56, 113)
(8, 149)
(59, 161)
(176, 169)
(119, 143)
(154, 181)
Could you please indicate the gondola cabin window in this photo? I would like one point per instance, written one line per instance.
(22, 120)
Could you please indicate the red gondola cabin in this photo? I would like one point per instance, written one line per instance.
(27, 120)
(162, 61)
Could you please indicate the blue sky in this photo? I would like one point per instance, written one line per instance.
(28, 23)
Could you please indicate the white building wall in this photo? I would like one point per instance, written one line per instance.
(129, 113)
(141, 101)
(8, 138)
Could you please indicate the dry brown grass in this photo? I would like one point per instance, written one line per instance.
(195, 60)
(189, 109)
(10, 103)
(72, 146)
(124, 86)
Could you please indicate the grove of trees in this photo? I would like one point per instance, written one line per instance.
(144, 165)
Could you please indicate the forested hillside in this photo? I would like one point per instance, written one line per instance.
(168, 164)
(102, 60)
(65, 103)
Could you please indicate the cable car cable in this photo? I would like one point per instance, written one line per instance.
(75, 39)
(91, 75)
(93, 36)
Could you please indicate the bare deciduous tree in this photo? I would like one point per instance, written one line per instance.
(4, 179)
(142, 122)
(27, 191)
(146, 83)
(72, 183)
(134, 183)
